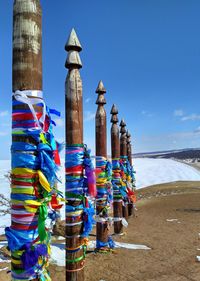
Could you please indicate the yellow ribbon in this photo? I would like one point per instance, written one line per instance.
(27, 206)
(42, 179)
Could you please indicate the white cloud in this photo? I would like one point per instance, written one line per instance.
(178, 112)
(89, 115)
(59, 122)
(87, 100)
(4, 113)
(191, 117)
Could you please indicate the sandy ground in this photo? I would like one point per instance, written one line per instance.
(173, 243)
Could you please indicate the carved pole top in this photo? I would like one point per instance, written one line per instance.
(128, 136)
(73, 42)
(73, 47)
(114, 112)
(100, 91)
(123, 127)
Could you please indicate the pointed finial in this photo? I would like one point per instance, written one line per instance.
(73, 47)
(100, 91)
(114, 109)
(73, 42)
(100, 88)
(123, 127)
(128, 136)
(114, 112)
(122, 123)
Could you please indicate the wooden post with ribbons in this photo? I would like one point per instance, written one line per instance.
(103, 173)
(123, 159)
(116, 178)
(74, 143)
(33, 149)
(26, 75)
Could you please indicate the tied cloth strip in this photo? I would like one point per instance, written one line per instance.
(33, 179)
(131, 183)
(104, 199)
(128, 180)
(80, 187)
(119, 191)
(126, 189)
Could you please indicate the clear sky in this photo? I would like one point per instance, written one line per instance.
(147, 52)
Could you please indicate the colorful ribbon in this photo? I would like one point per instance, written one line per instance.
(33, 185)
(80, 186)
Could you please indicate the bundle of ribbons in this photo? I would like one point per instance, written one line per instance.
(127, 181)
(80, 189)
(131, 182)
(104, 200)
(118, 188)
(35, 160)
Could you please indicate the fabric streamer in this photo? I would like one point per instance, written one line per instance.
(119, 192)
(33, 186)
(104, 199)
(80, 188)
(127, 181)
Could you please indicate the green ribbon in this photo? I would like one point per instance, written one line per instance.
(43, 213)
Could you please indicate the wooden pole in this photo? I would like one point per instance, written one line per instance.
(129, 148)
(74, 136)
(27, 61)
(101, 151)
(129, 154)
(27, 45)
(115, 148)
(101, 124)
(123, 155)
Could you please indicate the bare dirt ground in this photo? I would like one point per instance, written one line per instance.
(174, 243)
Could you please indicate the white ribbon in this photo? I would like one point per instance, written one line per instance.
(24, 97)
(111, 220)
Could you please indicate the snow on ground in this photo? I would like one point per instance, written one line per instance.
(92, 246)
(155, 171)
(148, 172)
(58, 254)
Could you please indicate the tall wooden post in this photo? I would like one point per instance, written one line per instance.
(101, 123)
(115, 148)
(123, 156)
(74, 138)
(129, 154)
(129, 148)
(27, 46)
(101, 157)
(26, 75)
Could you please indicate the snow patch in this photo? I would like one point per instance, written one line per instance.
(156, 171)
(58, 254)
(92, 245)
(198, 258)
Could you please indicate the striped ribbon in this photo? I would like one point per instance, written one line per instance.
(80, 185)
(33, 180)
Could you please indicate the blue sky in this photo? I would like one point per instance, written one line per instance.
(147, 52)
